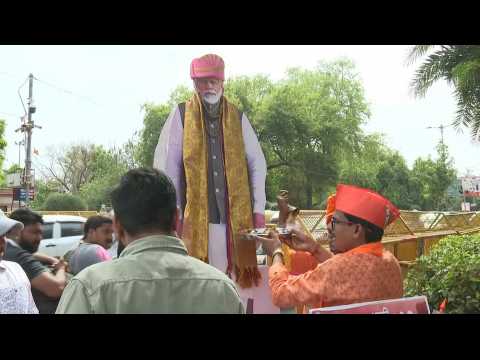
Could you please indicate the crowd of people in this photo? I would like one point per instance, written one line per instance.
(179, 238)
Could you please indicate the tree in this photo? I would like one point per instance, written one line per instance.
(153, 121)
(373, 165)
(459, 65)
(63, 202)
(13, 169)
(307, 122)
(3, 145)
(107, 169)
(71, 167)
(248, 94)
(394, 181)
(434, 178)
(43, 189)
(360, 166)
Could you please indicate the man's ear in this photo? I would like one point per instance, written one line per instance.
(90, 232)
(119, 230)
(357, 232)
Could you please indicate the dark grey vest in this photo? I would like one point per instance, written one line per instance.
(217, 190)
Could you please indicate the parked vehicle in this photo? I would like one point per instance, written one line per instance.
(61, 233)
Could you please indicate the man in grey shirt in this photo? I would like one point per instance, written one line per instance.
(92, 249)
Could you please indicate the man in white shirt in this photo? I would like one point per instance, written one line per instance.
(15, 292)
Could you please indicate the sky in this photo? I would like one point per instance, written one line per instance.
(95, 93)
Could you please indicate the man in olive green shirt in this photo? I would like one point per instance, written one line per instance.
(154, 273)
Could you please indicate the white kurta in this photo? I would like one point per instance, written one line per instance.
(15, 292)
(169, 158)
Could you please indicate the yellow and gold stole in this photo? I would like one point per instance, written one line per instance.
(241, 253)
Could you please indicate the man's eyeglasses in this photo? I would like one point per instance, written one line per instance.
(336, 221)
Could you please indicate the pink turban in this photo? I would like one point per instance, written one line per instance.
(207, 66)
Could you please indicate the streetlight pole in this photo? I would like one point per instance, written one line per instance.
(441, 127)
(442, 145)
(29, 127)
(20, 144)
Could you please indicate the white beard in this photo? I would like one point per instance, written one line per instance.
(211, 98)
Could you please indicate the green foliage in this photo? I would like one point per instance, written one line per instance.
(459, 65)
(71, 167)
(3, 145)
(15, 168)
(305, 123)
(89, 171)
(450, 271)
(153, 121)
(66, 202)
(248, 94)
(373, 165)
(42, 190)
(433, 178)
(108, 167)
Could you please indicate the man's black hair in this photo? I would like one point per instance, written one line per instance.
(94, 222)
(372, 232)
(145, 200)
(26, 217)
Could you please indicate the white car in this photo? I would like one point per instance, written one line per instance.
(61, 233)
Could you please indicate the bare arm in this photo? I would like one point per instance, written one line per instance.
(301, 241)
(320, 253)
(51, 285)
(45, 259)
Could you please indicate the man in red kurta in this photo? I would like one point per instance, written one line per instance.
(356, 269)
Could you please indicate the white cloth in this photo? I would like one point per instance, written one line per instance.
(168, 157)
(261, 295)
(7, 224)
(217, 246)
(15, 292)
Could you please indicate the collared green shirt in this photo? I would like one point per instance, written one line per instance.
(152, 275)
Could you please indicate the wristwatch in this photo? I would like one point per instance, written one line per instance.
(278, 251)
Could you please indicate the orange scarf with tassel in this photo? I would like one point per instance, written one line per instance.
(241, 253)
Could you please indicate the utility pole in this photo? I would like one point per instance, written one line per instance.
(28, 129)
(443, 155)
(441, 127)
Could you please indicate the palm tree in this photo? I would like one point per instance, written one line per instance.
(459, 65)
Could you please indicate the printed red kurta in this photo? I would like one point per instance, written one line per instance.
(366, 273)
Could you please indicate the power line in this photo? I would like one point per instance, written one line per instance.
(10, 114)
(21, 95)
(4, 73)
(69, 92)
(441, 127)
